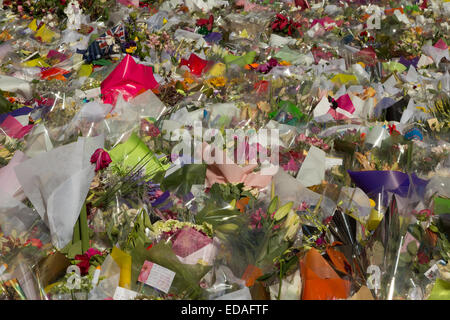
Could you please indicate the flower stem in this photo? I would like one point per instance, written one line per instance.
(76, 232)
(84, 229)
(281, 280)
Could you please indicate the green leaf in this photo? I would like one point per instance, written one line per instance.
(273, 205)
(228, 228)
(266, 276)
(434, 229)
(440, 291)
(74, 250)
(415, 231)
(283, 211)
(181, 181)
(405, 258)
(412, 248)
(91, 270)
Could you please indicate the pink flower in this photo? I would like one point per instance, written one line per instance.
(153, 130)
(303, 207)
(92, 252)
(84, 260)
(320, 241)
(101, 159)
(255, 219)
(301, 137)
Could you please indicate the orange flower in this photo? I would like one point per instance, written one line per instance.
(251, 66)
(240, 204)
(284, 63)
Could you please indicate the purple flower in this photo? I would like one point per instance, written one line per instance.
(213, 37)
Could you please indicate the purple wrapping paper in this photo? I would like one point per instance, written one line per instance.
(384, 103)
(375, 182)
(407, 63)
(15, 113)
(213, 37)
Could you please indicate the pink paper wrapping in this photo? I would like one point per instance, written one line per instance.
(441, 45)
(129, 79)
(249, 6)
(53, 54)
(336, 115)
(326, 21)
(8, 179)
(188, 241)
(134, 3)
(14, 128)
(344, 102)
(228, 172)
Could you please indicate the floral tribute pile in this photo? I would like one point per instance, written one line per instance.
(221, 149)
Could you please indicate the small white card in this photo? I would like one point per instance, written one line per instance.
(124, 294)
(433, 272)
(156, 276)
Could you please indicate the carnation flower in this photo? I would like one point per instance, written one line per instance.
(101, 159)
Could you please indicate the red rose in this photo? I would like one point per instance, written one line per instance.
(101, 159)
(423, 258)
(83, 264)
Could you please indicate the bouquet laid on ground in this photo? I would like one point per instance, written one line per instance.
(224, 150)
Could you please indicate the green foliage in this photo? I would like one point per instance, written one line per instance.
(181, 181)
(229, 192)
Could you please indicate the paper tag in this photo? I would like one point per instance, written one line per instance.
(433, 272)
(156, 276)
(124, 294)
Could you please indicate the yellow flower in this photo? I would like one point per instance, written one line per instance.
(218, 81)
(422, 109)
(131, 49)
(202, 262)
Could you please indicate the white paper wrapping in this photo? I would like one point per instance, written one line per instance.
(57, 183)
(312, 171)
